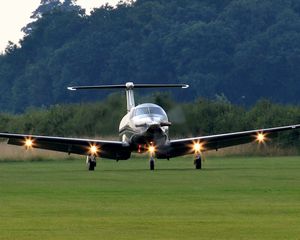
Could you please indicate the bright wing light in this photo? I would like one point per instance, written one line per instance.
(94, 150)
(197, 147)
(261, 137)
(28, 143)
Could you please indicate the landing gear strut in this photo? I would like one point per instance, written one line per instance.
(152, 164)
(91, 162)
(198, 162)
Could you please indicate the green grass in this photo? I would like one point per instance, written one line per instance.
(232, 198)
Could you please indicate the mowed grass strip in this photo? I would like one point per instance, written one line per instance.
(231, 198)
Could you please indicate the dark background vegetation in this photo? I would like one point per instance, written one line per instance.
(244, 49)
(233, 53)
(201, 117)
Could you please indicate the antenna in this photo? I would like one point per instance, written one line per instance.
(129, 86)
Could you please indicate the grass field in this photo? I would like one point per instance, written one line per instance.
(232, 198)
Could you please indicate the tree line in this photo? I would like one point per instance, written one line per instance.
(198, 118)
(242, 49)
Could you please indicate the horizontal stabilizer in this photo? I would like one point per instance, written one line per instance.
(128, 86)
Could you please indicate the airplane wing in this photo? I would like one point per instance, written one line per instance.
(105, 149)
(214, 142)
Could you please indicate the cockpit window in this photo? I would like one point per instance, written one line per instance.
(141, 111)
(148, 110)
(156, 110)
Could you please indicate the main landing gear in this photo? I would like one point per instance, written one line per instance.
(198, 162)
(91, 162)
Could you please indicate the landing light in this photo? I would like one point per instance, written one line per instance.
(260, 137)
(28, 143)
(197, 147)
(151, 149)
(94, 149)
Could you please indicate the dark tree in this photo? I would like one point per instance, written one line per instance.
(242, 50)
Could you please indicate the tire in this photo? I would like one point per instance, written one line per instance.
(91, 165)
(198, 163)
(152, 164)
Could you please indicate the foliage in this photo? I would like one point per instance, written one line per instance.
(48, 7)
(244, 50)
(202, 117)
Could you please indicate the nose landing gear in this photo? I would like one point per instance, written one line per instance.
(152, 163)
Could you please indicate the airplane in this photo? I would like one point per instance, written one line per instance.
(145, 128)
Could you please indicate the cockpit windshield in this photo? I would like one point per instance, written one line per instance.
(149, 110)
(156, 110)
(141, 111)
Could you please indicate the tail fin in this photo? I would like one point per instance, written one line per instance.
(129, 86)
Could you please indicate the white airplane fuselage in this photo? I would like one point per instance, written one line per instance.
(144, 125)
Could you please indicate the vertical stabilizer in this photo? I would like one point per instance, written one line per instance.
(130, 96)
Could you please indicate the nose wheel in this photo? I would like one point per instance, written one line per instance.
(152, 164)
(198, 162)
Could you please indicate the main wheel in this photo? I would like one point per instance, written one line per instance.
(91, 163)
(152, 164)
(198, 163)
